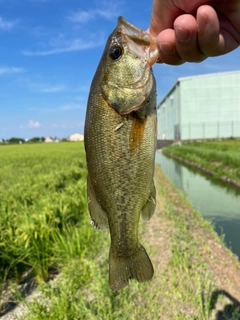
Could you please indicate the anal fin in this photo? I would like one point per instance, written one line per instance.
(98, 215)
(149, 207)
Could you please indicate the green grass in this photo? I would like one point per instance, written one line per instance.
(43, 212)
(220, 157)
(45, 226)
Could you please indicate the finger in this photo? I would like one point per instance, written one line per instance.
(167, 48)
(164, 12)
(210, 41)
(186, 30)
(163, 15)
(216, 34)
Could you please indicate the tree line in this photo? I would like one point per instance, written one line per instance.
(16, 140)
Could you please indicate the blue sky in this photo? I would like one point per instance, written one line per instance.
(50, 50)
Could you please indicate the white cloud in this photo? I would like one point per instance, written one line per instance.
(53, 89)
(63, 108)
(72, 106)
(69, 46)
(43, 87)
(108, 11)
(6, 70)
(83, 88)
(34, 124)
(82, 16)
(6, 25)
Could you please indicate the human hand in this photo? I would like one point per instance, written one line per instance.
(194, 30)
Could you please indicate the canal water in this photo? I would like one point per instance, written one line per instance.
(215, 201)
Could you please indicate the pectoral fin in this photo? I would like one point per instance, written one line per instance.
(98, 215)
(149, 208)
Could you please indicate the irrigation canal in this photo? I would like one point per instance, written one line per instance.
(217, 202)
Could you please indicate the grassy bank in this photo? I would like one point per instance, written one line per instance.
(219, 158)
(45, 226)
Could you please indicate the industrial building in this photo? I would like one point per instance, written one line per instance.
(201, 107)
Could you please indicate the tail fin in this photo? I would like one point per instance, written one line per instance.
(122, 268)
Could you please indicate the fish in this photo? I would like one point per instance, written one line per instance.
(120, 135)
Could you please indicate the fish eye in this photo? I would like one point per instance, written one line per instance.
(115, 52)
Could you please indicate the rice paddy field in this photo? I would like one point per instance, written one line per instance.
(43, 212)
(48, 244)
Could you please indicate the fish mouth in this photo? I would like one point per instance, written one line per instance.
(135, 37)
(135, 33)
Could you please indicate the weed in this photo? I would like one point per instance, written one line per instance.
(220, 157)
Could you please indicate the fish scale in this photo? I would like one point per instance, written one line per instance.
(120, 144)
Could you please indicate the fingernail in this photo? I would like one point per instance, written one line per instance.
(182, 34)
(167, 47)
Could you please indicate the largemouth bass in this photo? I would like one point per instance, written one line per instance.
(120, 143)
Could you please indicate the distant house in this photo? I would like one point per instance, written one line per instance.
(48, 139)
(75, 137)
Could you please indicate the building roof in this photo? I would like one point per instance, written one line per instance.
(194, 77)
(209, 75)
